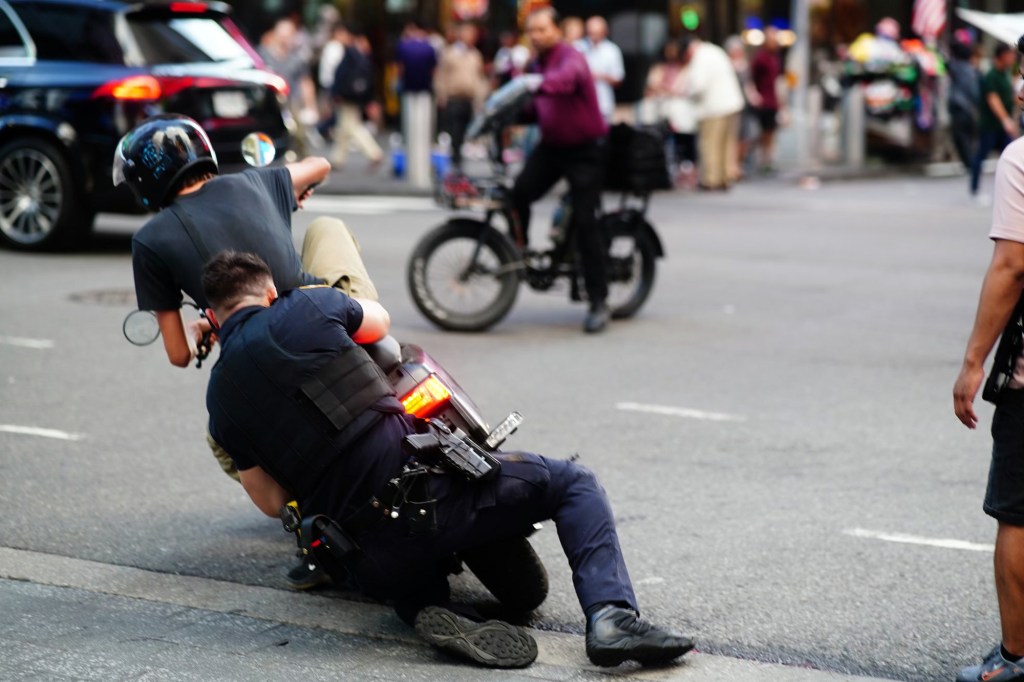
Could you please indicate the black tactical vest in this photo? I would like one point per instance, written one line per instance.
(298, 412)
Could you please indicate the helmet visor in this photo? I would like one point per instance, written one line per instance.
(117, 172)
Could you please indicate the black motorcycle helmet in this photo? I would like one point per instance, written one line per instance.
(155, 155)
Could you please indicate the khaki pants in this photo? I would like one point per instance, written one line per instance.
(350, 128)
(718, 143)
(331, 253)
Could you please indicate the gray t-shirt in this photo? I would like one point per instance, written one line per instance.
(249, 211)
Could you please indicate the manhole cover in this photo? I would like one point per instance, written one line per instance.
(111, 297)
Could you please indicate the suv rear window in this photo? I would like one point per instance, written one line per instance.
(70, 33)
(146, 38)
(165, 39)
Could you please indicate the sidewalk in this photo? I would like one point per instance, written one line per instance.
(68, 619)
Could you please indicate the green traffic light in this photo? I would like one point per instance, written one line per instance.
(690, 18)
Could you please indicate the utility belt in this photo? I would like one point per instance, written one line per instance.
(335, 545)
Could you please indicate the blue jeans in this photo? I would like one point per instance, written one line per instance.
(988, 140)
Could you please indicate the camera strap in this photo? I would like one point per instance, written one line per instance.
(192, 232)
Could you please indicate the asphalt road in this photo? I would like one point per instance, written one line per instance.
(779, 410)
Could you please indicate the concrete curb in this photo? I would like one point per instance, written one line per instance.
(557, 651)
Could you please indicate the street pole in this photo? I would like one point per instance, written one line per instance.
(800, 62)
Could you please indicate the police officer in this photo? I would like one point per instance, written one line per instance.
(170, 166)
(306, 414)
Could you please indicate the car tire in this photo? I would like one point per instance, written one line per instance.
(40, 208)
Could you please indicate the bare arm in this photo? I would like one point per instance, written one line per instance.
(376, 322)
(310, 171)
(179, 344)
(264, 491)
(1000, 291)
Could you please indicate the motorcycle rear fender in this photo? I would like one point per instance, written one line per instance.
(632, 220)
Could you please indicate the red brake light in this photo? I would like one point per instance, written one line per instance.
(189, 7)
(426, 397)
(131, 88)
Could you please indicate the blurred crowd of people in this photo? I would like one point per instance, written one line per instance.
(721, 106)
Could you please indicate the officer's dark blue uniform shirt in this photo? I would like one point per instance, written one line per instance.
(314, 323)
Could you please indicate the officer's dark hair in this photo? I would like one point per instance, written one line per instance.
(230, 276)
(1001, 49)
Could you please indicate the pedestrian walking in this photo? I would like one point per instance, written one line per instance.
(713, 86)
(964, 95)
(996, 119)
(999, 311)
(352, 89)
(665, 81)
(460, 85)
(280, 50)
(417, 59)
(604, 58)
(765, 71)
(748, 127)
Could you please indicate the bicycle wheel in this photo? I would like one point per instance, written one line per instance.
(631, 267)
(463, 275)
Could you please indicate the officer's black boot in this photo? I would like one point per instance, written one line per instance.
(616, 634)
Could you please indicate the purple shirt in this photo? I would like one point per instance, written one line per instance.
(566, 103)
(418, 60)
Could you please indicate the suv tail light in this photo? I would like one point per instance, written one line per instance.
(131, 88)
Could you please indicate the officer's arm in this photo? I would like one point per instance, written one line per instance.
(376, 322)
(310, 171)
(264, 491)
(179, 345)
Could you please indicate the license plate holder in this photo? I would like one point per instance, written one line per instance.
(230, 104)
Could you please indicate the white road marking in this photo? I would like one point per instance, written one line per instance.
(683, 412)
(369, 205)
(42, 433)
(40, 344)
(903, 538)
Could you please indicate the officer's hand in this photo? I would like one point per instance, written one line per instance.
(964, 390)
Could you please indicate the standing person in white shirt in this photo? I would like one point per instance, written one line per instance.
(605, 61)
(714, 87)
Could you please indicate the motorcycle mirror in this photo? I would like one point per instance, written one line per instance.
(258, 149)
(141, 328)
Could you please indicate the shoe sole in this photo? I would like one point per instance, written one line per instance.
(644, 655)
(492, 644)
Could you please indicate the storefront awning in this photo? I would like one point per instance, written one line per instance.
(1005, 27)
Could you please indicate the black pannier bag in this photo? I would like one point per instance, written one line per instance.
(636, 160)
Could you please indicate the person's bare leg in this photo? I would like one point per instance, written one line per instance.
(1009, 569)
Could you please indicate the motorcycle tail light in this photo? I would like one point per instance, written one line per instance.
(427, 397)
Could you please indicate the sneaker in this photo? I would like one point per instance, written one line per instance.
(307, 576)
(616, 635)
(492, 644)
(995, 667)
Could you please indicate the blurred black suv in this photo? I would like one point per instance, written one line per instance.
(76, 75)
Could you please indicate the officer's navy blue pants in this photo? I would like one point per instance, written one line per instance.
(530, 488)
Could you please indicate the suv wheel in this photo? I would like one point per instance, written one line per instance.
(38, 207)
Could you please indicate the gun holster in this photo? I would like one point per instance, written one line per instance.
(328, 543)
(452, 451)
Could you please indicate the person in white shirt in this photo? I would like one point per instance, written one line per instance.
(605, 61)
(715, 88)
